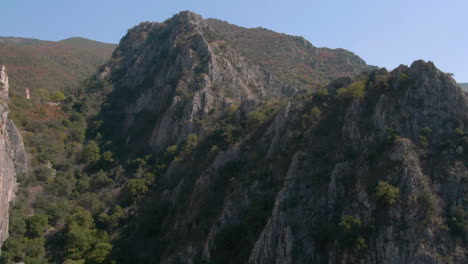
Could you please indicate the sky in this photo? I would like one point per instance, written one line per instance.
(383, 33)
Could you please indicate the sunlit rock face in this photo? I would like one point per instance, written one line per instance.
(13, 157)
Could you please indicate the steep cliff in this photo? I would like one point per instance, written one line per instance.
(13, 157)
(373, 172)
(186, 70)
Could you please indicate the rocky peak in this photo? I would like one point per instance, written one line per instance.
(186, 69)
(417, 98)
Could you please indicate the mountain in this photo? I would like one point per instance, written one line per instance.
(44, 66)
(187, 69)
(194, 145)
(371, 173)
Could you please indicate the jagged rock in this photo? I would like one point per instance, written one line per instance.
(317, 176)
(183, 71)
(13, 160)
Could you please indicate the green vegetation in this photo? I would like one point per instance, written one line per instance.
(355, 90)
(45, 66)
(386, 193)
(458, 221)
(427, 202)
(91, 152)
(352, 229)
(392, 135)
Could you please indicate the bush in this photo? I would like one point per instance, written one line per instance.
(57, 96)
(392, 135)
(458, 220)
(355, 90)
(352, 229)
(91, 152)
(171, 151)
(315, 111)
(386, 193)
(99, 254)
(427, 202)
(133, 189)
(36, 225)
(43, 173)
(256, 118)
(191, 142)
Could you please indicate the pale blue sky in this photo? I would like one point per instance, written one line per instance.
(383, 33)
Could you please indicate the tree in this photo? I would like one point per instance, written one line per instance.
(191, 142)
(386, 193)
(57, 96)
(91, 152)
(99, 254)
(352, 229)
(36, 225)
(133, 189)
(354, 90)
(256, 118)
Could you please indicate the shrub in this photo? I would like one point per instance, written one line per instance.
(191, 142)
(458, 220)
(459, 131)
(171, 151)
(315, 111)
(386, 193)
(256, 118)
(322, 92)
(427, 202)
(230, 133)
(43, 173)
(91, 152)
(36, 225)
(354, 90)
(99, 254)
(213, 151)
(57, 96)
(133, 189)
(426, 131)
(393, 135)
(352, 229)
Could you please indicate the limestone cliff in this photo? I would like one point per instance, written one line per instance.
(284, 166)
(302, 188)
(13, 159)
(184, 70)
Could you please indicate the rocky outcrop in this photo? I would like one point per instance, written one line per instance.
(4, 83)
(302, 188)
(13, 159)
(181, 72)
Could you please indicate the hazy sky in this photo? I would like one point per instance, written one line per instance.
(383, 33)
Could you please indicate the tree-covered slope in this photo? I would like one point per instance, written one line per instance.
(44, 66)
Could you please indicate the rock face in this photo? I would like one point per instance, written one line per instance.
(302, 188)
(13, 159)
(4, 83)
(184, 70)
(364, 169)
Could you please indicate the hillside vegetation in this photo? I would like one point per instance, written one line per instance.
(45, 66)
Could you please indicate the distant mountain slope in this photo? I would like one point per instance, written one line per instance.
(292, 59)
(464, 86)
(49, 65)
